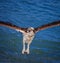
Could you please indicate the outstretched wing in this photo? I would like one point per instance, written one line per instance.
(57, 23)
(7, 24)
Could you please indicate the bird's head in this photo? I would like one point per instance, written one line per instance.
(30, 29)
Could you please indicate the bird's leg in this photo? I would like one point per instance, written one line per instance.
(23, 47)
(27, 50)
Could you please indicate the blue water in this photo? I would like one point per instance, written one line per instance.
(45, 47)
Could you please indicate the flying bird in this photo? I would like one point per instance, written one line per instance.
(29, 33)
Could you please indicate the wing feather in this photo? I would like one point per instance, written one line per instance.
(56, 23)
(10, 25)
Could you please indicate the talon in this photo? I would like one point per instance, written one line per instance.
(27, 51)
(23, 51)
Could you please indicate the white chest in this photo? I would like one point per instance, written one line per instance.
(28, 37)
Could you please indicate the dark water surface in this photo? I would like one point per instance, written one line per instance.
(45, 47)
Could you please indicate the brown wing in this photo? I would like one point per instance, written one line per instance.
(57, 23)
(7, 24)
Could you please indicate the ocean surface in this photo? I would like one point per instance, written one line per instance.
(45, 48)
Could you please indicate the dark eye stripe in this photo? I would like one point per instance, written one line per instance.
(29, 30)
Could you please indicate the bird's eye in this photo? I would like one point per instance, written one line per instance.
(29, 30)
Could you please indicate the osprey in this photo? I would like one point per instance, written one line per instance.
(29, 33)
